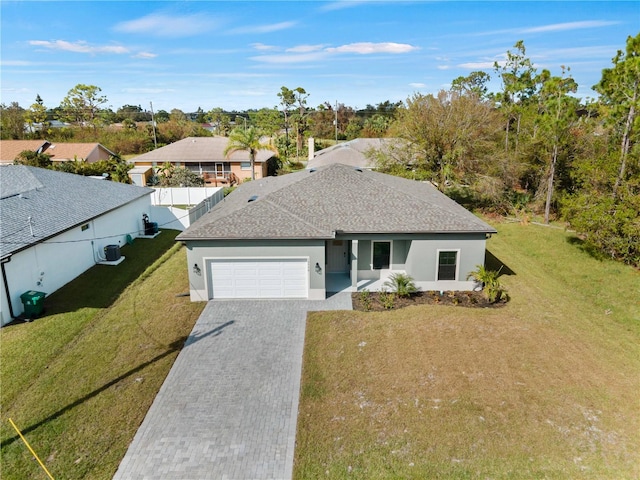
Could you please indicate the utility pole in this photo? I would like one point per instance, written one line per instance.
(153, 124)
(336, 121)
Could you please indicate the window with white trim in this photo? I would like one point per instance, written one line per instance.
(245, 165)
(447, 264)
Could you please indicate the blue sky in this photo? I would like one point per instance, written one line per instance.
(237, 55)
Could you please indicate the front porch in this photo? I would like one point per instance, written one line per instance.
(346, 272)
(341, 282)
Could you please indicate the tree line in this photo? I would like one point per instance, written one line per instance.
(530, 148)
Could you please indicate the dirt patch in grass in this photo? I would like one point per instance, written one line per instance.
(380, 301)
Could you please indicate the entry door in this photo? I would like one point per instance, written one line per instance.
(338, 256)
(219, 169)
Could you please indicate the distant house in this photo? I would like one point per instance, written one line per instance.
(59, 152)
(352, 153)
(329, 229)
(205, 156)
(37, 127)
(56, 225)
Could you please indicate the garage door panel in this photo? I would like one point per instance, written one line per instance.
(265, 278)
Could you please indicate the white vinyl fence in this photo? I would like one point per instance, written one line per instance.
(196, 201)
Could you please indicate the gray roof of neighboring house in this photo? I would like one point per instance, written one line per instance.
(199, 149)
(335, 198)
(55, 202)
(351, 153)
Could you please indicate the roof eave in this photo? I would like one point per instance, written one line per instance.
(182, 238)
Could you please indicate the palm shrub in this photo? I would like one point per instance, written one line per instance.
(493, 288)
(402, 284)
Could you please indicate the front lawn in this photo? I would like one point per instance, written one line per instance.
(544, 387)
(79, 381)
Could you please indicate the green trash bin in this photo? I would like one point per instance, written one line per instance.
(33, 303)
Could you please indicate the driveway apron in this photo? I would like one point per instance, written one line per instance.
(229, 406)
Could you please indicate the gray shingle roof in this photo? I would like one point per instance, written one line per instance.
(352, 153)
(199, 149)
(334, 198)
(55, 201)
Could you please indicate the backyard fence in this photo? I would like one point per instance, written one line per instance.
(193, 201)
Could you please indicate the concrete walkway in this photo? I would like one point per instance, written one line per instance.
(229, 406)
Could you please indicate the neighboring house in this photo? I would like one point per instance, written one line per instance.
(56, 225)
(59, 152)
(205, 156)
(88, 152)
(329, 229)
(10, 149)
(352, 153)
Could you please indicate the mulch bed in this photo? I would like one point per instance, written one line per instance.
(375, 301)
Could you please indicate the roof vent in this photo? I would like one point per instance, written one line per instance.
(312, 170)
(358, 169)
(252, 198)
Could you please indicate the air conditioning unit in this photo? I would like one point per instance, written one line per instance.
(112, 253)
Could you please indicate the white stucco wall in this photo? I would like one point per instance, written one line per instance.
(47, 266)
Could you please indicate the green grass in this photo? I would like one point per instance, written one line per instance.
(545, 387)
(79, 380)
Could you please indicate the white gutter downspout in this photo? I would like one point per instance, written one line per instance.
(6, 285)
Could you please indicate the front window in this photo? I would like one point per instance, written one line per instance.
(381, 255)
(447, 265)
(245, 165)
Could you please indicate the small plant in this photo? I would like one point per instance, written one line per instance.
(387, 299)
(489, 279)
(402, 284)
(365, 298)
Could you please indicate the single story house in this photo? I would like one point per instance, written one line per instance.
(59, 152)
(334, 228)
(10, 149)
(353, 153)
(205, 156)
(56, 225)
(87, 152)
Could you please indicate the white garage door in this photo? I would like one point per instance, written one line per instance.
(264, 278)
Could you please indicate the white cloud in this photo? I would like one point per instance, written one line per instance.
(145, 55)
(162, 25)
(478, 65)
(563, 27)
(305, 48)
(342, 4)
(366, 48)
(553, 27)
(418, 85)
(263, 47)
(274, 27)
(290, 58)
(312, 53)
(15, 63)
(79, 47)
(443, 67)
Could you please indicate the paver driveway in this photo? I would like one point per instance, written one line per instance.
(229, 405)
